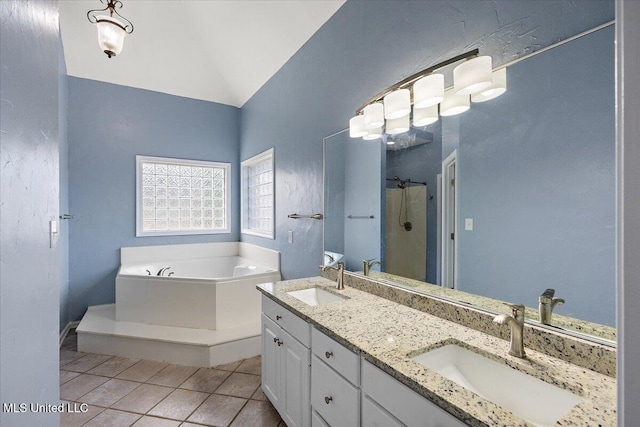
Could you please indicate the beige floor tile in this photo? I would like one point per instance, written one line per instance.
(67, 376)
(251, 366)
(155, 422)
(113, 418)
(259, 395)
(142, 399)
(217, 410)
(179, 404)
(77, 419)
(172, 375)
(67, 356)
(142, 371)
(113, 366)
(239, 385)
(109, 393)
(86, 362)
(257, 414)
(205, 380)
(229, 366)
(79, 386)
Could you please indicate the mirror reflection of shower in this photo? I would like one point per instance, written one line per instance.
(406, 227)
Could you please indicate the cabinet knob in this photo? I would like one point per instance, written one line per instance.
(328, 399)
(328, 354)
(278, 317)
(280, 343)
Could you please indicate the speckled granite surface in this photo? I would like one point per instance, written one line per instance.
(595, 329)
(387, 333)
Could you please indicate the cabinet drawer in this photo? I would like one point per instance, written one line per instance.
(334, 398)
(375, 416)
(343, 360)
(403, 403)
(297, 327)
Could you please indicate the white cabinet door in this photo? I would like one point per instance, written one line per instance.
(296, 366)
(375, 416)
(271, 360)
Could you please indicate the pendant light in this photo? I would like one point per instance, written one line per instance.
(373, 134)
(111, 29)
(356, 127)
(397, 104)
(398, 125)
(454, 104)
(374, 116)
(472, 76)
(428, 91)
(497, 88)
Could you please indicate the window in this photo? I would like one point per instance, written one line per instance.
(258, 195)
(176, 196)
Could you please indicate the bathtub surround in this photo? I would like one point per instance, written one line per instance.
(108, 126)
(192, 304)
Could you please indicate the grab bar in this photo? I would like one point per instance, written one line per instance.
(317, 216)
(360, 217)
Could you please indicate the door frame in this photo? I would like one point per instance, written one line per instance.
(449, 268)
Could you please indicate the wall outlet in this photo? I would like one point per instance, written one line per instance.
(290, 236)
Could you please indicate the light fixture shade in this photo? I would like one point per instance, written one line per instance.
(497, 88)
(374, 116)
(397, 104)
(472, 76)
(425, 116)
(373, 134)
(111, 35)
(356, 127)
(454, 104)
(428, 91)
(398, 125)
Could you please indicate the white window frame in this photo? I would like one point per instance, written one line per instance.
(267, 155)
(184, 162)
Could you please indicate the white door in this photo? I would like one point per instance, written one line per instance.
(296, 366)
(449, 221)
(271, 360)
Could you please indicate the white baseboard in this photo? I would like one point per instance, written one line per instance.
(66, 330)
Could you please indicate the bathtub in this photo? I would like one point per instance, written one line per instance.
(205, 286)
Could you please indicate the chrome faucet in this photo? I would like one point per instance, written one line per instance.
(546, 305)
(367, 264)
(331, 258)
(340, 270)
(516, 322)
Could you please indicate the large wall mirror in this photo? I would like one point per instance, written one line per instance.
(498, 204)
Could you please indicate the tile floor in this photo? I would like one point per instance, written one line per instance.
(130, 392)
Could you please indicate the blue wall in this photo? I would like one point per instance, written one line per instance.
(108, 126)
(334, 183)
(539, 183)
(29, 44)
(362, 49)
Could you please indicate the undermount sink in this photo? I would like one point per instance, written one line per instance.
(536, 401)
(316, 296)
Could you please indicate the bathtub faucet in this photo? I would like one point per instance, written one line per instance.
(340, 270)
(162, 271)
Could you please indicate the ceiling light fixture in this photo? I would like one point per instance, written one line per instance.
(472, 78)
(111, 29)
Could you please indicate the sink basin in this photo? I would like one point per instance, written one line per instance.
(536, 401)
(316, 296)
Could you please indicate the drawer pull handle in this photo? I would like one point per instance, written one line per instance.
(328, 354)
(279, 343)
(278, 317)
(328, 399)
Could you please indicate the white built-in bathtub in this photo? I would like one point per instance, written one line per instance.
(207, 286)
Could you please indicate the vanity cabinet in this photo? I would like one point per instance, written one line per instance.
(286, 363)
(335, 379)
(386, 402)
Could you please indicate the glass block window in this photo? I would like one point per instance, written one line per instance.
(258, 190)
(176, 196)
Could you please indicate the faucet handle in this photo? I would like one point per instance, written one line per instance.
(517, 311)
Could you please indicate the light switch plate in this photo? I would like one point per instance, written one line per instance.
(468, 224)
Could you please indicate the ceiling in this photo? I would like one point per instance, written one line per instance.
(214, 50)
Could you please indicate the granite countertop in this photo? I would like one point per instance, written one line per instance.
(387, 333)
